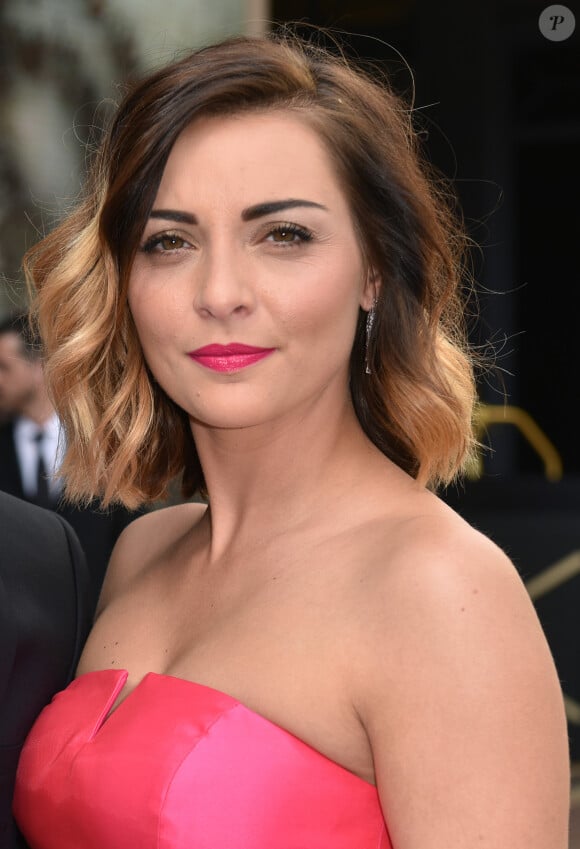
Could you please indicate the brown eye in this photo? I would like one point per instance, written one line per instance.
(164, 243)
(283, 235)
(289, 234)
(170, 242)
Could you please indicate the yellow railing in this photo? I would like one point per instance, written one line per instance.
(490, 414)
(566, 568)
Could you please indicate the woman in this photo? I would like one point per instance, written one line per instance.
(261, 290)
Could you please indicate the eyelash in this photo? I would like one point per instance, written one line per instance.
(302, 233)
(153, 244)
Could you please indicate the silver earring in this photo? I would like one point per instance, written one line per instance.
(369, 329)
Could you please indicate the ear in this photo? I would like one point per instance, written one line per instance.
(370, 290)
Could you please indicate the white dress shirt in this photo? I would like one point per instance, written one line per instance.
(52, 447)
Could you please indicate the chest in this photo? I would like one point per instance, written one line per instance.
(282, 642)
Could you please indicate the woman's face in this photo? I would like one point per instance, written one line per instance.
(247, 283)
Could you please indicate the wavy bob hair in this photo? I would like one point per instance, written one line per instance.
(125, 439)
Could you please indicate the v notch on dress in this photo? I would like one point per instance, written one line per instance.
(226, 702)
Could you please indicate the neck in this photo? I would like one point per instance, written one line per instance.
(39, 410)
(279, 475)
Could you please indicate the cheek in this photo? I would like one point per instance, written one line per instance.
(327, 312)
(22, 378)
(154, 318)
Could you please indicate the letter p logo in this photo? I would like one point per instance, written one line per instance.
(557, 23)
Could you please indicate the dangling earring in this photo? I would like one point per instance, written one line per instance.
(369, 330)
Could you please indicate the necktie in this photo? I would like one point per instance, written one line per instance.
(42, 491)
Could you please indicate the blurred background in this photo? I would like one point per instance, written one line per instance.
(497, 102)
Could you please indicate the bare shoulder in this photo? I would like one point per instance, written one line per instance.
(458, 692)
(439, 588)
(434, 554)
(158, 526)
(144, 541)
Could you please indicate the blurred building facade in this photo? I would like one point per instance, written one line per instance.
(62, 67)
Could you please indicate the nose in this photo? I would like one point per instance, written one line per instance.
(224, 285)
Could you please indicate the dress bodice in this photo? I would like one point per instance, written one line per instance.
(178, 765)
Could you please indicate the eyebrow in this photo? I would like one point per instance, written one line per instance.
(249, 214)
(261, 209)
(173, 215)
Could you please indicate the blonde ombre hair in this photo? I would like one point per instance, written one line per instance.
(126, 440)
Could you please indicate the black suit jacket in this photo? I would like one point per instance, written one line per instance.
(96, 529)
(45, 612)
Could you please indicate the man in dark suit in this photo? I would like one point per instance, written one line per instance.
(45, 611)
(31, 446)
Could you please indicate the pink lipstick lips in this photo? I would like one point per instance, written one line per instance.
(230, 357)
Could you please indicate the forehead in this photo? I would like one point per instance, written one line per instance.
(260, 155)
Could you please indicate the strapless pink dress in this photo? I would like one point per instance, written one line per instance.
(179, 765)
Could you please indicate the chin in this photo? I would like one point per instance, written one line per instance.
(227, 414)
